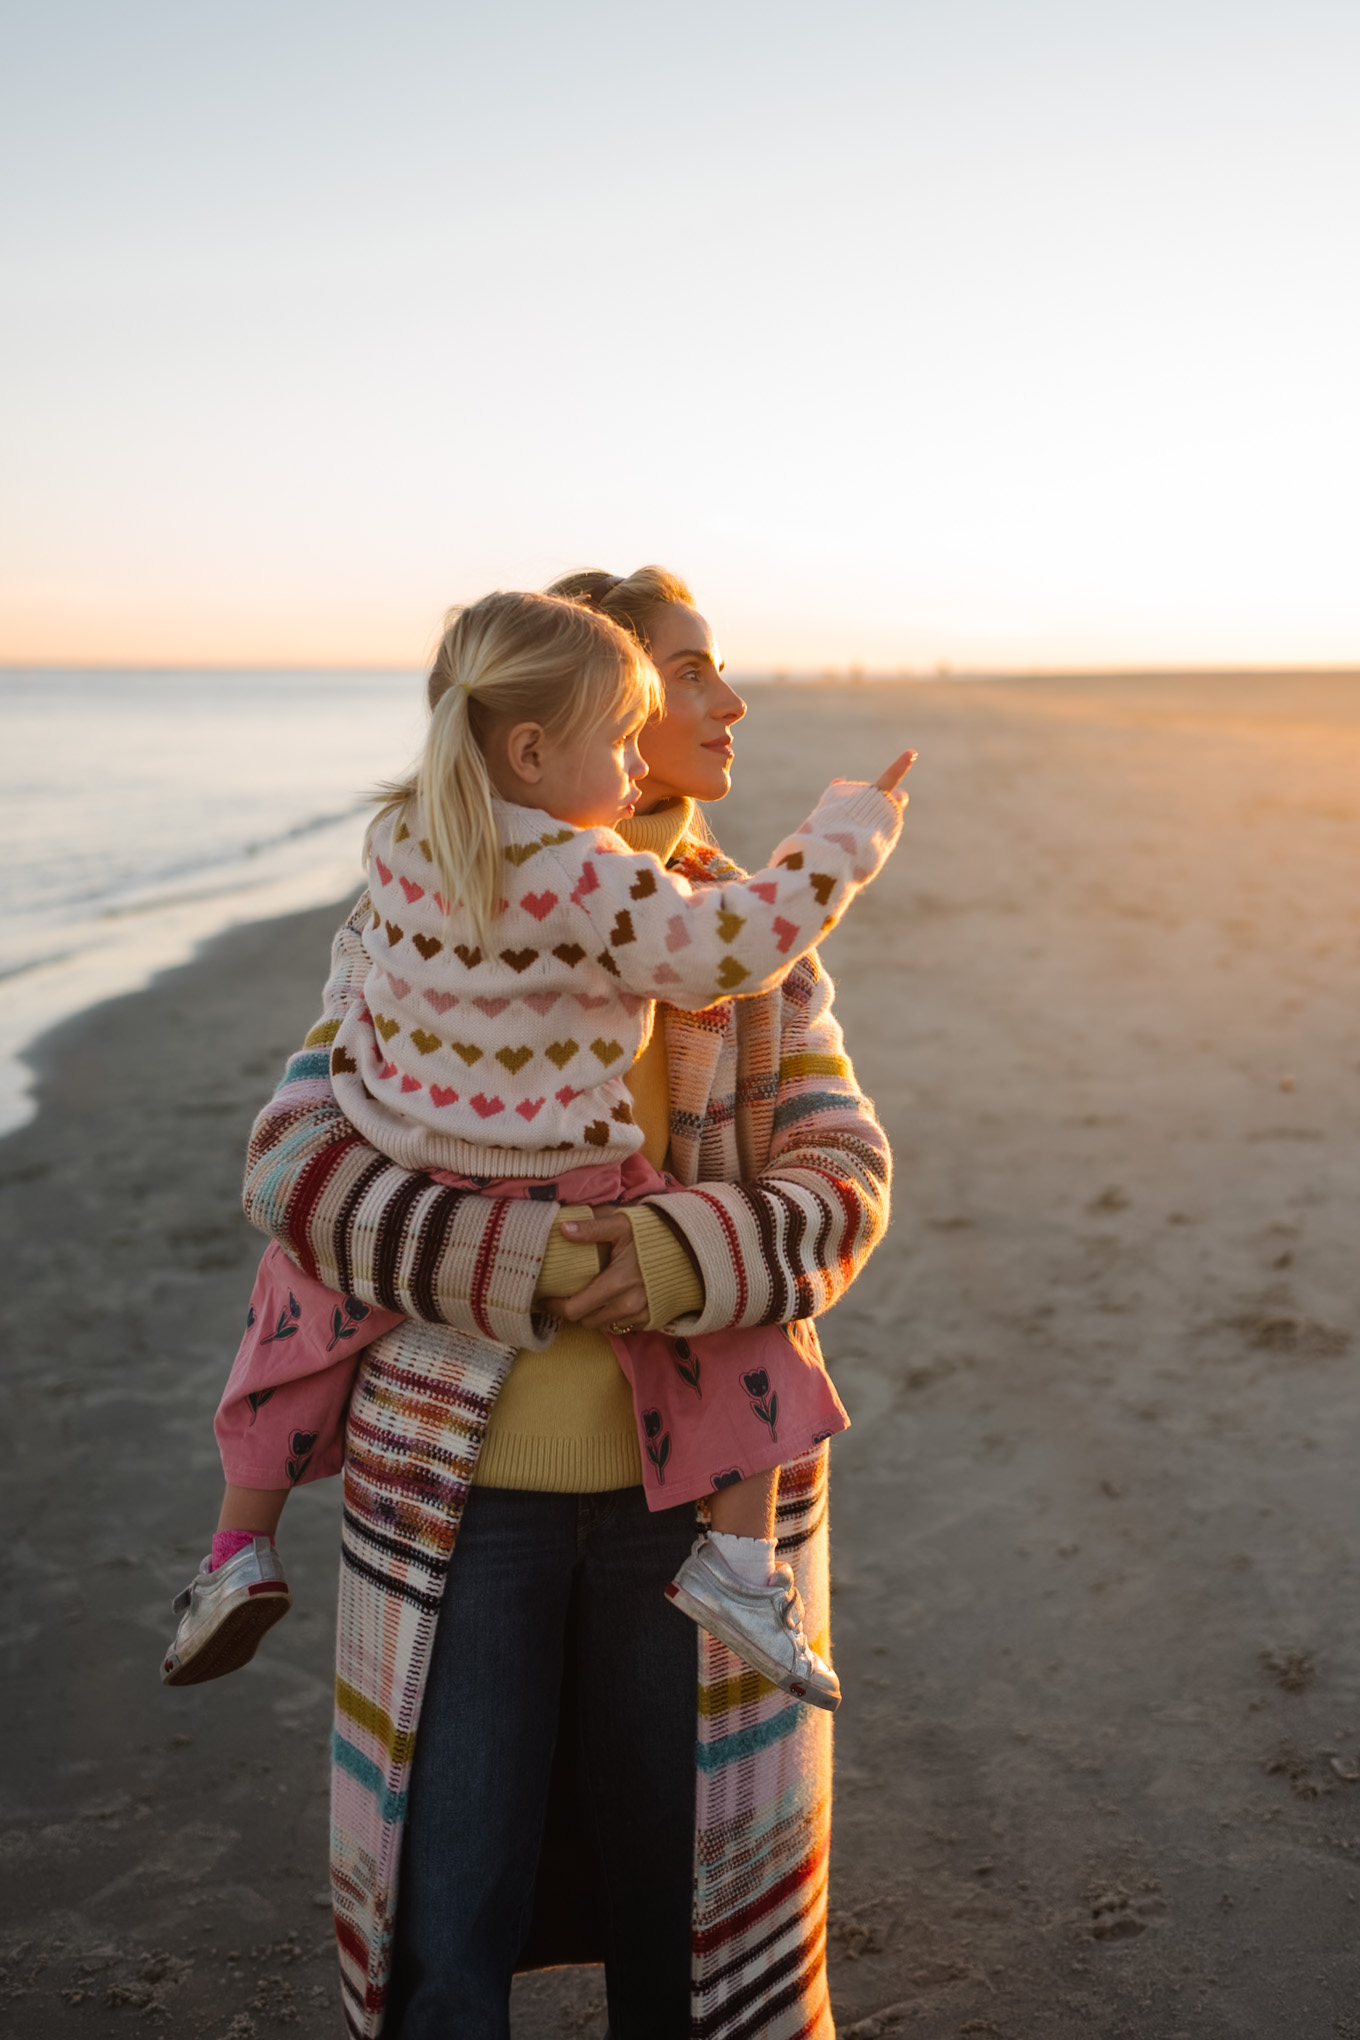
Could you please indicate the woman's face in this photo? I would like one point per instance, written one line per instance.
(688, 751)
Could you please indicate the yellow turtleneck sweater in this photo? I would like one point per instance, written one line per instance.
(563, 1422)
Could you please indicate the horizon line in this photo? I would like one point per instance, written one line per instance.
(853, 672)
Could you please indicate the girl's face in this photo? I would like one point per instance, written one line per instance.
(594, 781)
(688, 750)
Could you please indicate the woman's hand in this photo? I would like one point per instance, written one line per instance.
(616, 1300)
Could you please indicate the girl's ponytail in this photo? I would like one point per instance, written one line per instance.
(455, 795)
(508, 658)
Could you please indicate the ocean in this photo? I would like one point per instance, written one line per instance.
(142, 812)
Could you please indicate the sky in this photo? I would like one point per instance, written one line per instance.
(984, 332)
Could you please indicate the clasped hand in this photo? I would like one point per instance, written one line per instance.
(618, 1295)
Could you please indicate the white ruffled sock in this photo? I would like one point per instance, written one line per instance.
(751, 1558)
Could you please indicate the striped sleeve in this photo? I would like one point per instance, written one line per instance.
(363, 1226)
(787, 1243)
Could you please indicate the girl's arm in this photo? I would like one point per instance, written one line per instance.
(787, 1242)
(664, 939)
(364, 1227)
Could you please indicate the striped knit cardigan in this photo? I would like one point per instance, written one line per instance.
(791, 1175)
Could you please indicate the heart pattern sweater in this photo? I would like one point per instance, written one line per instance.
(509, 1060)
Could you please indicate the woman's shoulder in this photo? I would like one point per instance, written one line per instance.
(704, 862)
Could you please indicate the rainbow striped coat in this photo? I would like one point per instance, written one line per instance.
(790, 1175)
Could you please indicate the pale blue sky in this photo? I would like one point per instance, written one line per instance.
(985, 330)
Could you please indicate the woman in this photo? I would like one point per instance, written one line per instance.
(556, 1807)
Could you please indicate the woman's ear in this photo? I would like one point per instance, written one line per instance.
(524, 752)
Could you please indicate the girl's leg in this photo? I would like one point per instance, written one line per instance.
(636, 1676)
(479, 1783)
(747, 1508)
(256, 1510)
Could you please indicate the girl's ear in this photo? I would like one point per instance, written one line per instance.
(524, 752)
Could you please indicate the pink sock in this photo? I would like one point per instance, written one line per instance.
(226, 1544)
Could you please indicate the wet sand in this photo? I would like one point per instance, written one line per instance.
(1095, 1541)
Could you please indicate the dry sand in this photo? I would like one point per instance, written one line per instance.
(1095, 1541)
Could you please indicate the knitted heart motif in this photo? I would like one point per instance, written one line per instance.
(622, 930)
(514, 1059)
(561, 1052)
(443, 1094)
(469, 958)
(441, 902)
(643, 886)
(566, 1094)
(387, 1028)
(493, 1008)
(769, 891)
(401, 834)
(590, 1001)
(585, 885)
(730, 925)
(664, 975)
(518, 959)
(622, 1115)
(529, 1108)
(606, 962)
(467, 1050)
(400, 987)
(846, 843)
(410, 1083)
(387, 1070)
(823, 884)
(632, 1003)
(343, 1064)
(597, 1133)
(539, 904)
(520, 853)
(443, 1002)
(487, 1108)
(412, 891)
(785, 932)
(731, 973)
(610, 1051)
(394, 933)
(426, 1043)
(542, 1002)
(384, 875)
(428, 945)
(793, 862)
(569, 953)
(677, 934)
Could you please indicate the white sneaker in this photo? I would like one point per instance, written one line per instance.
(763, 1625)
(224, 1613)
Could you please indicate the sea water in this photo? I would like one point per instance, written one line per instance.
(141, 812)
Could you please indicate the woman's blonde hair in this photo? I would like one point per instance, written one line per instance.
(630, 599)
(506, 659)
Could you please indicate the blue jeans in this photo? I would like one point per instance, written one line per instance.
(560, 1673)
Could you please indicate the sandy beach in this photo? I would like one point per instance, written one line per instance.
(1095, 1542)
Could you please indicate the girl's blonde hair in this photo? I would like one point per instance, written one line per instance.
(509, 658)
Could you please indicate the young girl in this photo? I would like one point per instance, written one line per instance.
(508, 920)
